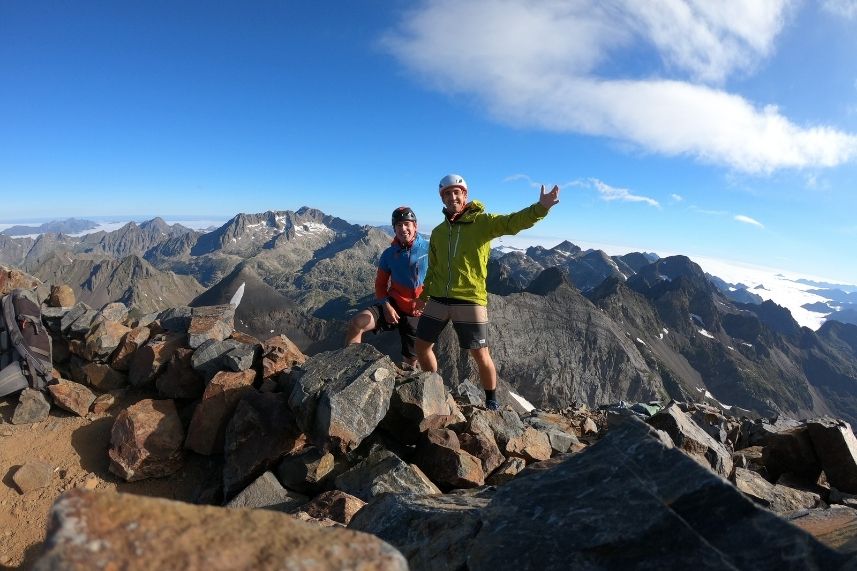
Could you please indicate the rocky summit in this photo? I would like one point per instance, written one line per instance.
(352, 459)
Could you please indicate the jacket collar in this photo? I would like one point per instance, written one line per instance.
(467, 215)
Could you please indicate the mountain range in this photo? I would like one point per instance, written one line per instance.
(567, 325)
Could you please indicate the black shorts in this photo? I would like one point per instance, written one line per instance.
(470, 321)
(407, 327)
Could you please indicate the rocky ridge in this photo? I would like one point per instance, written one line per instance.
(345, 438)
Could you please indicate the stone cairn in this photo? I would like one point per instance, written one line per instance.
(421, 475)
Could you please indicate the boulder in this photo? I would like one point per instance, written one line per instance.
(632, 497)
(208, 358)
(33, 475)
(790, 451)
(135, 339)
(72, 396)
(306, 470)
(484, 448)
(116, 312)
(146, 441)
(339, 397)
(103, 377)
(433, 532)
(72, 315)
(415, 398)
(32, 407)
(690, 438)
(214, 323)
(836, 448)
(81, 326)
(103, 530)
(506, 471)
(103, 339)
(61, 296)
(179, 380)
(207, 429)
(267, 493)
(279, 354)
(382, 471)
(440, 457)
(261, 432)
(151, 359)
(777, 498)
(335, 505)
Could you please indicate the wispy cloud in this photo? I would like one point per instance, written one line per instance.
(611, 193)
(536, 63)
(842, 8)
(677, 197)
(708, 211)
(748, 220)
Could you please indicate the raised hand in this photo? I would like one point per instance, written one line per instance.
(549, 199)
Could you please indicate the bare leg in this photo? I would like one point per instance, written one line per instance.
(359, 324)
(487, 372)
(425, 355)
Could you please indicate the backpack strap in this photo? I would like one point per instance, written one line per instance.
(35, 367)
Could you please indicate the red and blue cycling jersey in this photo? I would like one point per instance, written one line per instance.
(401, 272)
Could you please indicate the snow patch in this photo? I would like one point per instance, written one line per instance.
(527, 405)
(705, 333)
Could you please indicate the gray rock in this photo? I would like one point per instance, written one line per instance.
(260, 433)
(836, 448)
(32, 407)
(116, 312)
(383, 472)
(208, 358)
(81, 326)
(414, 399)
(305, 471)
(240, 358)
(433, 532)
(340, 397)
(266, 492)
(506, 471)
(777, 498)
(627, 500)
(468, 393)
(72, 315)
(52, 318)
(176, 319)
(690, 438)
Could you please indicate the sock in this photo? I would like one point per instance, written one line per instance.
(489, 395)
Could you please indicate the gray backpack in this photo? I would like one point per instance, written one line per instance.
(25, 344)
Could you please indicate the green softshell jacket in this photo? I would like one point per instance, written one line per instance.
(459, 250)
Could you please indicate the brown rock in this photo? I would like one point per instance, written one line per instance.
(215, 322)
(72, 396)
(135, 339)
(103, 377)
(335, 505)
(33, 476)
(775, 497)
(440, 456)
(146, 441)
(279, 354)
(103, 403)
(208, 426)
(484, 448)
(506, 472)
(13, 279)
(532, 445)
(61, 296)
(245, 338)
(150, 360)
(115, 311)
(103, 530)
(835, 527)
(180, 380)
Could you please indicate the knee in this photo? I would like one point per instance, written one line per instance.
(422, 347)
(360, 323)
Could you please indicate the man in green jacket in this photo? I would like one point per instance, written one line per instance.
(455, 285)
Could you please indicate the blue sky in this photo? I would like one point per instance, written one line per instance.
(709, 129)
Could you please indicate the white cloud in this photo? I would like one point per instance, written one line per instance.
(748, 220)
(841, 8)
(677, 197)
(610, 193)
(536, 63)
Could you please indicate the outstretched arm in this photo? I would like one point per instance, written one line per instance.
(549, 199)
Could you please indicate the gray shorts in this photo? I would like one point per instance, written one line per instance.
(469, 320)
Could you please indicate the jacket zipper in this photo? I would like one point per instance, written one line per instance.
(452, 255)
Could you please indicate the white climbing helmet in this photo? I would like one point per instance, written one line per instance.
(452, 180)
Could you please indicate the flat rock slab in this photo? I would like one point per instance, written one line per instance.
(267, 492)
(33, 476)
(103, 530)
(630, 500)
(72, 397)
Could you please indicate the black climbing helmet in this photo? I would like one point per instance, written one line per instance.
(404, 214)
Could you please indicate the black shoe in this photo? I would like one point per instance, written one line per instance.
(492, 404)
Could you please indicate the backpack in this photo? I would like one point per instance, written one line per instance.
(26, 359)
